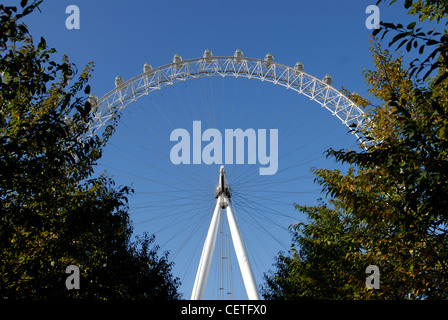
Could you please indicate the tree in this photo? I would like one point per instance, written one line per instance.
(412, 38)
(389, 210)
(54, 213)
(317, 265)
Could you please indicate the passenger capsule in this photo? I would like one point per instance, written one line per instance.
(177, 60)
(118, 81)
(298, 68)
(208, 56)
(268, 60)
(147, 68)
(238, 56)
(68, 120)
(327, 79)
(93, 100)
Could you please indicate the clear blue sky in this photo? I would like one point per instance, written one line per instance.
(120, 36)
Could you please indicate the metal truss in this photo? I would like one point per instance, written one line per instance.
(291, 78)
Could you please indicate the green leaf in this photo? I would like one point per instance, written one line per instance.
(411, 25)
(376, 31)
(422, 48)
(42, 44)
(409, 46)
(441, 78)
(398, 37)
(402, 43)
(432, 42)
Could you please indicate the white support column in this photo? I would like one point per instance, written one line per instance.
(207, 255)
(241, 254)
(222, 196)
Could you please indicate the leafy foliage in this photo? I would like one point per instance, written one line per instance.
(412, 38)
(321, 263)
(389, 210)
(53, 212)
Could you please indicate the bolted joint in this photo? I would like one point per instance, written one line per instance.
(223, 203)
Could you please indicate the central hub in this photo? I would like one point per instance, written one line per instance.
(222, 189)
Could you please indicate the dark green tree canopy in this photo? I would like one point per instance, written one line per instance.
(54, 212)
(390, 209)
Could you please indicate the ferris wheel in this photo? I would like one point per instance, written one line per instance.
(198, 137)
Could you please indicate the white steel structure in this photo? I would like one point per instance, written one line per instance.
(293, 78)
(223, 196)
